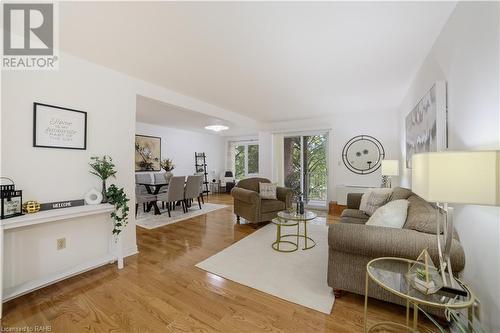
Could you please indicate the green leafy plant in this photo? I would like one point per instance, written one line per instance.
(422, 274)
(167, 165)
(102, 167)
(118, 198)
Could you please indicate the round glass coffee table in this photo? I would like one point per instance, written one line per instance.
(390, 274)
(288, 218)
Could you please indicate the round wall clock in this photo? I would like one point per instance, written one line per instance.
(363, 154)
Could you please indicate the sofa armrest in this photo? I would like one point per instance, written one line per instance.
(375, 242)
(354, 200)
(244, 195)
(284, 194)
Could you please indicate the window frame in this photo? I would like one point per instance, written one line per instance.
(245, 144)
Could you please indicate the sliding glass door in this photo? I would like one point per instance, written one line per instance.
(305, 166)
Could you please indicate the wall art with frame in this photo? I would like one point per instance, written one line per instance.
(147, 153)
(58, 127)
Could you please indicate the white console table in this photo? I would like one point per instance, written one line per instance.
(49, 217)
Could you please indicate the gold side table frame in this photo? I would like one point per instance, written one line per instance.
(289, 219)
(411, 301)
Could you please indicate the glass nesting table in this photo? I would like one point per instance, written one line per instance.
(390, 274)
(290, 242)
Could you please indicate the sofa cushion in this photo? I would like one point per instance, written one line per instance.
(400, 193)
(354, 213)
(422, 216)
(377, 198)
(267, 206)
(391, 215)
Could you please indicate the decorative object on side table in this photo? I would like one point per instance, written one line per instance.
(423, 275)
(11, 200)
(93, 197)
(390, 274)
(58, 127)
(362, 154)
(168, 166)
(469, 177)
(147, 153)
(31, 207)
(103, 168)
(389, 168)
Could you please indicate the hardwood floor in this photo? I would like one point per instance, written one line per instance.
(160, 290)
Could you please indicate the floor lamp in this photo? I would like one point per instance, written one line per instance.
(471, 177)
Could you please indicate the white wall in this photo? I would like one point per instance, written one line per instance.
(48, 175)
(382, 125)
(180, 146)
(466, 55)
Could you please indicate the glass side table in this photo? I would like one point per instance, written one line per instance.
(389, 273)
(291, 218)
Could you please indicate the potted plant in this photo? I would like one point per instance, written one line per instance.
(103, 168)
(168, 166)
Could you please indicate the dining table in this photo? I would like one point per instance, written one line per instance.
(153, 188)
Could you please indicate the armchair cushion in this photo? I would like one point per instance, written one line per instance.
(267, 191)
(267, 206)
(252, 184)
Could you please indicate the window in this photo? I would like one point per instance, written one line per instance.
(246, 160)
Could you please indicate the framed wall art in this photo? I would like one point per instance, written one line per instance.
(58, 127)
(426, 124)
(147, 153)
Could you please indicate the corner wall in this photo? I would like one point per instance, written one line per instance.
(466, 55)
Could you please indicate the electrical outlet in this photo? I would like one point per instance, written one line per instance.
(61, 243)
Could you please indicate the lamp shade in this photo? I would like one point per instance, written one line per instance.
(390, 168)
(228, 174)
(458, 177)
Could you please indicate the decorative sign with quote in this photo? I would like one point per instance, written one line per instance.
(57, 127)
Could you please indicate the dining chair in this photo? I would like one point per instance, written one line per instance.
(159, 178)
(193, 185)
(175, 192)
(142, 198)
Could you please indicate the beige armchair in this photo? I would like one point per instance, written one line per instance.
(249, 205)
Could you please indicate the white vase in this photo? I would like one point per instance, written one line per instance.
(168, 175)
(93, 197)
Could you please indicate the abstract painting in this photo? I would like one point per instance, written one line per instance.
(426, 123)
(147, 153)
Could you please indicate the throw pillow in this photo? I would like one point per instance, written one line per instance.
(364, 200)
(267, 190)
(391, 215)
(377, 198)
(423, 216)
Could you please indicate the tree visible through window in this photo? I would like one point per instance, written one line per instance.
(246, 161)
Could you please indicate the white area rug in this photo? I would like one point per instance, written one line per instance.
(151, 221)
(298, 277)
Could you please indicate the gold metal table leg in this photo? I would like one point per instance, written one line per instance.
(366, 304)
(415, 317)
(305, 234)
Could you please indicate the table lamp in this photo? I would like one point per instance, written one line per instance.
(462, 177)
(389, 168)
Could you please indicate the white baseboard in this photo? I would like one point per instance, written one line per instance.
(29, 286)
(130, 251)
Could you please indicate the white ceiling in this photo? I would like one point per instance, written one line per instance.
(155, 112)
(268, 61)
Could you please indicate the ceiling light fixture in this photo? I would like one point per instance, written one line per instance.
(216, 128)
